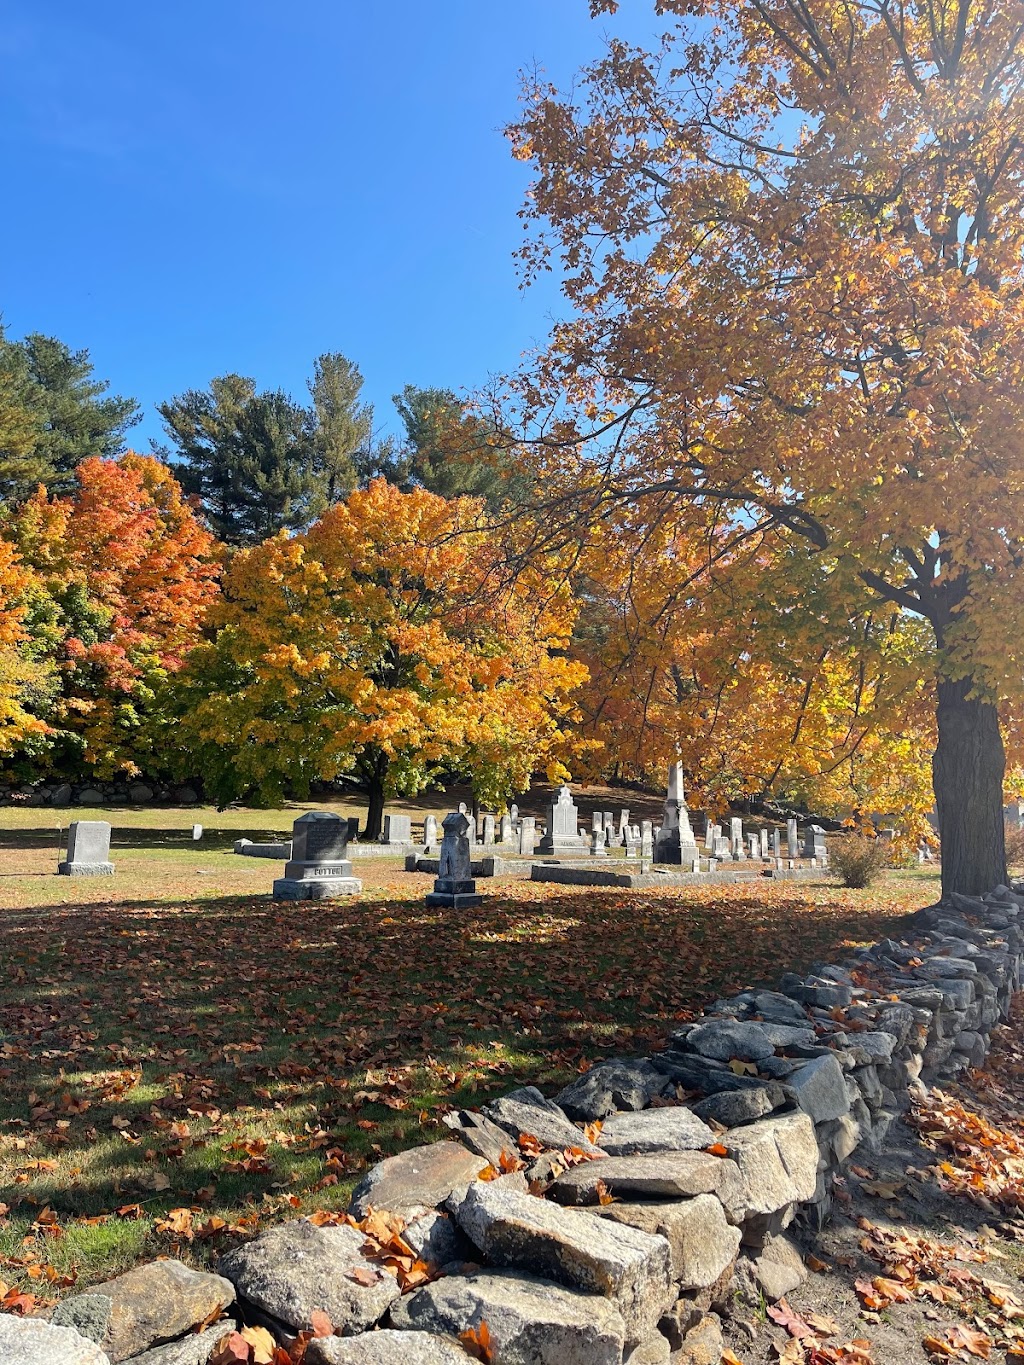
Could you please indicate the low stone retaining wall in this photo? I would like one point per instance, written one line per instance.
(605, 1225)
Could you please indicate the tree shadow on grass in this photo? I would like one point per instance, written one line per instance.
(345, 1026)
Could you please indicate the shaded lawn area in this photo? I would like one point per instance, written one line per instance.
(177, 1073)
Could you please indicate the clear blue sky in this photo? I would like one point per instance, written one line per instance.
(242, 184)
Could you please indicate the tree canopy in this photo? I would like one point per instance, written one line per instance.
(792, 241)
(383, 645)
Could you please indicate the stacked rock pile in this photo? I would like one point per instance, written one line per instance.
(609, 1224)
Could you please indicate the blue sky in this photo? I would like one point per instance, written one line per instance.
(243, 184)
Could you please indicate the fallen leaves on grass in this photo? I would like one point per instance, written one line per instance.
(205, 1100)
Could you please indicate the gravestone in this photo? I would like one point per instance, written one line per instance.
(631, 843)
(814, 842)
(454, 888)
(197, 833)
(318, 868)
(711, 833)
(597, 823)
(563, 832)
(397, 829)
(353, 828)
(792, 840)
(611, 837)
(430, 831)
(764, 843)
(754, 846)
(488, 829)
(722, 850)
(527, 835)
(88, 853)
(513, 811)
(736, 839)
(623, 823)
(598, 848)
(776, 844)
(675, 842)
(505, 830)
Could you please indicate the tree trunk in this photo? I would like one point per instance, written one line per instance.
(374, 773)
(967, 774)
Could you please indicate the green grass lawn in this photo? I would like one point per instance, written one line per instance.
(182, 1061)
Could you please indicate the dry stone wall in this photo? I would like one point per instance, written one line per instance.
(700, 1168)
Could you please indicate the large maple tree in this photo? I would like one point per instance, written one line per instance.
(792, 239)
(385, 645)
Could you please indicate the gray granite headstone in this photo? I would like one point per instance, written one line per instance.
(318, 868)
(792, 840)
(397, 829)
(814, 842)
(488, 831)
(505, 830)
(454, 888)
(88, 852)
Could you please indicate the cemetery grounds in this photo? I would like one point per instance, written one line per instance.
(183, 1062)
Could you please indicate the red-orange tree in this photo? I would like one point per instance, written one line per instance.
(383, 645)
(793, 240)
(123, 573)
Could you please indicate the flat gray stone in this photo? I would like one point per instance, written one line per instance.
(672, 1129)
(386, 1348)
(701, 1241)
(194, 1350)
(416, 1177)
(573, 1248)
(820, 1089)
(480, 1135)
(733, 1108)
(788, 1035)
(292, 1270)
(778, 1269)
(936, 968)
(526, 1111)
(726, 1040)
(530, 1321)
(878, 1045)
(660, 1175)
(147, 1306)
(618, 1083)
(30, 1341)
(778, 1162)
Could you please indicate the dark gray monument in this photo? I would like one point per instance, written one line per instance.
(88, 852)
(319, 868)
(454, 888)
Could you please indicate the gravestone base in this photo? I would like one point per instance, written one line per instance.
(315, 889)
(452, 900)
(85, 869)
(453, 893)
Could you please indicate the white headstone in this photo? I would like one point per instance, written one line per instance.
(430, 831)
(736, 839)
(563, 832)
(488, 829)
(792, 839)
(88, 852)
(527, 835)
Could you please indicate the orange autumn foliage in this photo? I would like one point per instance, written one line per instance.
(124, 573)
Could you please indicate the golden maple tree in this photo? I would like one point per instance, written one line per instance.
(792, 239)
(738, 670)
(388, 645)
